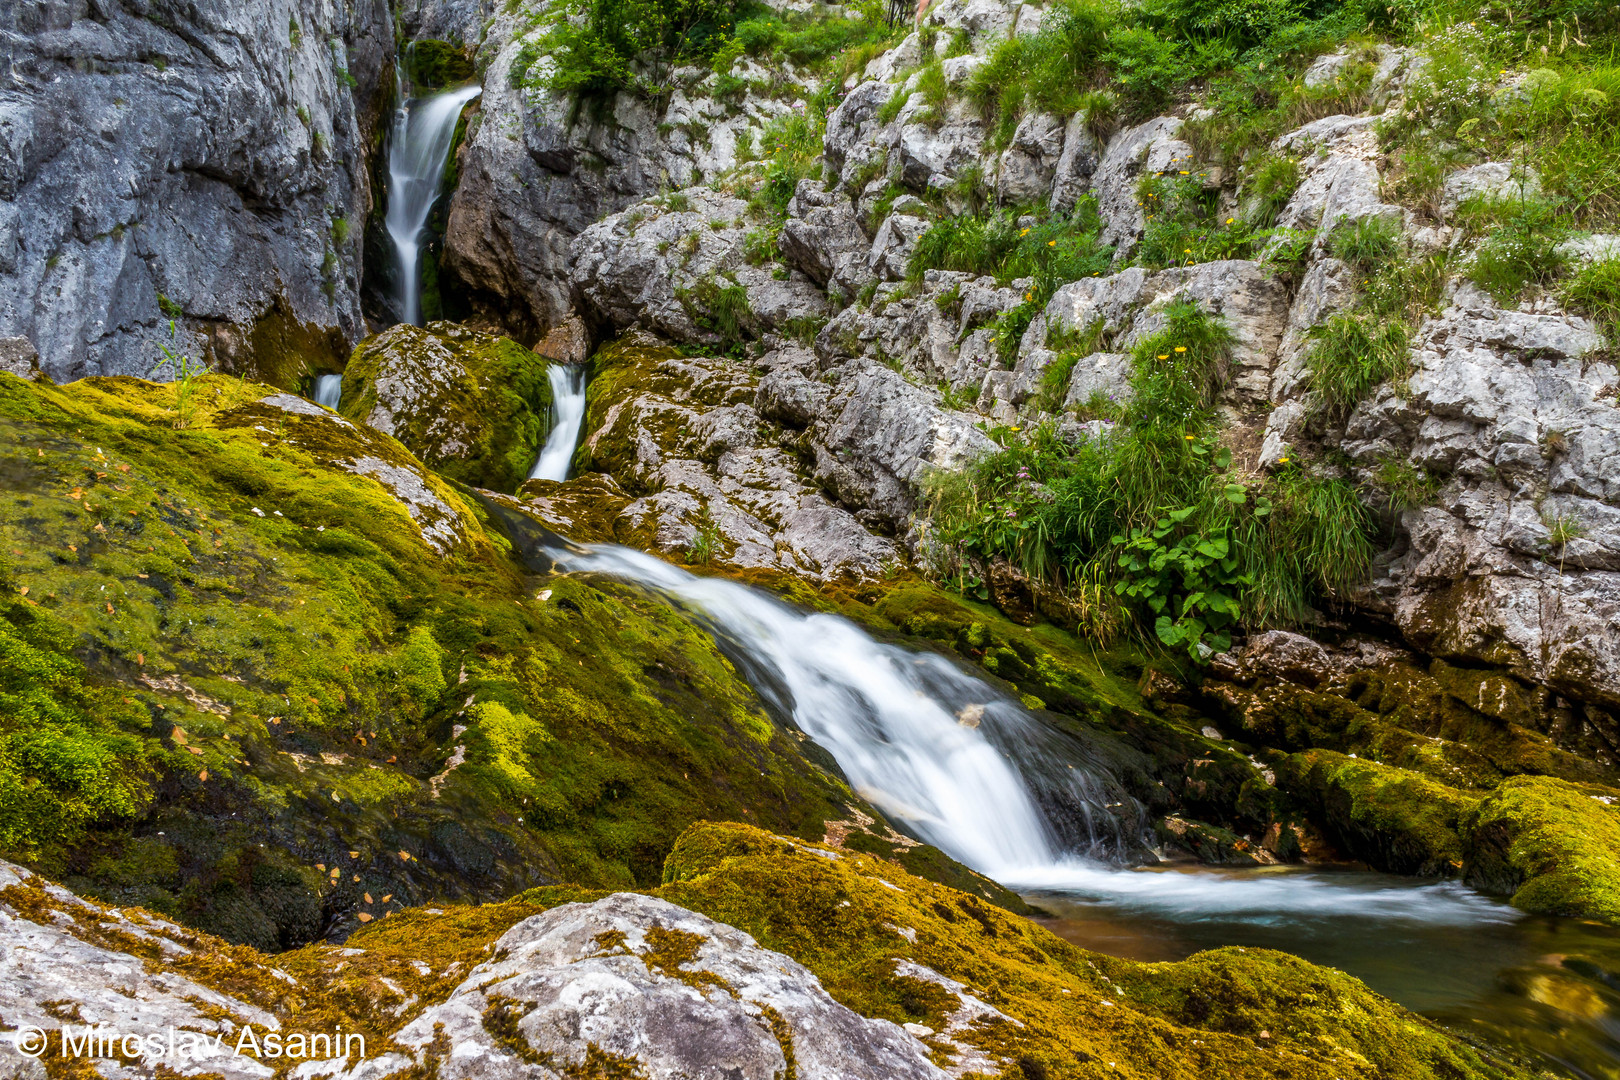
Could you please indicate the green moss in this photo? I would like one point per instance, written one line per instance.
(1554, 845)
(261, 647)
(476, 407)
(433, 65)
(1395, 819)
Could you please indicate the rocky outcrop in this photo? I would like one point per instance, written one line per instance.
(1517, 562)
(207, 166)
(634, 980)
(473, 406)
(678, 266)
(538, 169)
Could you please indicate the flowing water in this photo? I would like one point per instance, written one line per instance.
(568, 411)
(423, 130)
(968, 769)
(328, 390)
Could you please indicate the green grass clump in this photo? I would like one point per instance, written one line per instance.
(1520, 248)
(600, 47)
(1594, 291)
(1367, 244)
(1350, 355)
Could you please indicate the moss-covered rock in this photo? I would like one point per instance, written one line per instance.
(473, 406)
(266, 664)
(1395, 819)
(1553, 845)
(431, 64)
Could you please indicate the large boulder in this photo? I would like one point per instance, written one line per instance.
(474, 406)
(678, 266)
(634, 980)
(206, 166)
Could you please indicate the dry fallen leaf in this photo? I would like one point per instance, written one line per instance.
(194, 750)
(405, 856)
(140, 659)
(368, 898)
(320, 866)
(354, 854)
(203, 775)
(23, 590)
(364, 917)
(387, 897)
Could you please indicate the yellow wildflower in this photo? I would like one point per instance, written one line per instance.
(1181, 348)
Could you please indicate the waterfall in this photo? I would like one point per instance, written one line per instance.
(568, 407)
(968, 769)
(423, 128)
(329, 390)
(931, 746)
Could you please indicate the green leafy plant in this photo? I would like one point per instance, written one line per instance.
(705, 543)
(600, 47)
(1188, 579)
(1594, 291)
(1520, 248)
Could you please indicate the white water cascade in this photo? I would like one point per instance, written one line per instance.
(967, 768)
(328, 390)
(423, 128)
(568, 407)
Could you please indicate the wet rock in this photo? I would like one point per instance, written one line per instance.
(474, 406)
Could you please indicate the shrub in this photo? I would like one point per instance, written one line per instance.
(600, 47)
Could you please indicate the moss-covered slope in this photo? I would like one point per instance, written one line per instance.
(265, 665)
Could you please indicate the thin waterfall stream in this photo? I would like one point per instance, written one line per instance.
(420, 143)
(328, 390)
(568, 411)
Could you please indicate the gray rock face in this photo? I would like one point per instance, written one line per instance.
(18, 356)
(688, 453)
(658, 266)
(631, 979)
(1493, 181)
(190, 166)
(823, 238)
(1518, 563)
(1144, 150)
(57, 960)
(536, 172)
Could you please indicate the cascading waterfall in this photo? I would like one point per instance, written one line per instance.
(967, 768)
(328, 390)
(423, 129)
(568, 410)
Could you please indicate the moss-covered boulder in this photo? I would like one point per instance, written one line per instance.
(263, 665)
(473, 406)
(988, 993)
(1554, 846)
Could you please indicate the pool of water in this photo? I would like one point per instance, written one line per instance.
(1549, 988)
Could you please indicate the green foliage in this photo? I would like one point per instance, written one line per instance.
(1406, 485)
(1594, 291)
(705, 542)
(1351, 354)
(1267, 186)
(1058, 250)
(1520, 248)
(600, 47)
(819, 44)
(433, 65)
(720, 307)
(1153, 507)
(1182, 226)
(1366, 244)
(791, 147)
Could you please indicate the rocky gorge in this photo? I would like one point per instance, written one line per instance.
(1050, 477)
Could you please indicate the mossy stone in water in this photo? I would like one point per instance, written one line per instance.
(473, 406)
(1554, 845)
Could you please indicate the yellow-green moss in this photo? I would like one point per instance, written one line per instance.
(482, 408)
(1554, 845)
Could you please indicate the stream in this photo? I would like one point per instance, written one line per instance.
(966, 768)
(417, 149)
